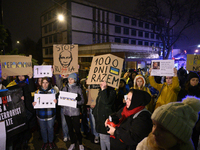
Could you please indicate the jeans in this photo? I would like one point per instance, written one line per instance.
(47, 130)
(104, 141)
(64, 124)
(92, 124)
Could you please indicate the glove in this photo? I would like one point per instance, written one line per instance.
(78, 98)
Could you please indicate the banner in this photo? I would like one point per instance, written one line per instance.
(42, 71)
(13, 65)
(67, 99)
(105, 67)
(162, 68)
(92, 96)
(12, 111)
(193, 62)
(65, 59)
(44, 101)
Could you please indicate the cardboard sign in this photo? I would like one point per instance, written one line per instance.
(67, 99)
(65, 59)
(42, 71)
(193, 62)
(44, 101)
(12, 111)
(16, 65)
(92, 96)
(105, 67)
(162, 68)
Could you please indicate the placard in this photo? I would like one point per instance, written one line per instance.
(2, 136)
(92, 96)
(65, 59)
(67, 99)
(12, 111)
(162, 68)
(16, 65)
(44, 101)
(42, 71)
(105, 68)
(193, 62)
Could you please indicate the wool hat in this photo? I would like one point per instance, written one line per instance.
(139, 77)
(192, 75)
(178, 118)
(73, 75)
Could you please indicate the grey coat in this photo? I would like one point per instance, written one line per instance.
(70, 111)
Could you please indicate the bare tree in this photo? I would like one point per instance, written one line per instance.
(170, 17)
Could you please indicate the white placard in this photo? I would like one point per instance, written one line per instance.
(67, 99)
(2, 136)
(162, 68)
(42, 71)
(44, 101)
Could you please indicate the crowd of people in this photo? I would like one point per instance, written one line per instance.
(145, 113)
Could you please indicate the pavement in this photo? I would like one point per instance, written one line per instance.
(36, 142)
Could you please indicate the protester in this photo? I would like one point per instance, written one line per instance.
(172, 126)
(72, 115)
(134, 123)
(192, 88)
(103, 108)
(132, 77)
(169, 89)
(46, 116)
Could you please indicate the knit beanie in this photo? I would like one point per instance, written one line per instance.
(139, 77)
(73, 75)
(192, 75)
(178, 118)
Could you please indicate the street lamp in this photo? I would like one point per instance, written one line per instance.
(198, 45)
(60, 17)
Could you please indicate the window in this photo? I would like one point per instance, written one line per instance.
(126, 31)
(140, 24)
(117, 18)
(49, 15)
(133, 41)
(117, 29)
(152, 44)
(50, 39)
(125, 41)
(146, 43)
(50, 27)
(140, 34)
(157, 44)
(46, 51)
(152, 35)
(133, 32)
(146, 25)
(157, 36)
(46, 40)
(146, 34)
(117, 40)
(51, 51)
(152, 26)
(133, 22)
(55, 39)
(54, 26)
(45, 17)
(139, 42)
(45, 29)
(126, 20)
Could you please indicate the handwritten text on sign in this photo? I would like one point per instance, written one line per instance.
(193, 62)
(44, 100)
(106, 68)
(42, 71)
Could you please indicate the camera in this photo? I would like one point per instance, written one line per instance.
(113, 121)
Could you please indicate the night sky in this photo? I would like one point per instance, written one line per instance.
(22, 18)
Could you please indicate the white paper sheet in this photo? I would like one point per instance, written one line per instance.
(44, 101)
(162, 68)
(2, 136)
(67, 99)
(42, 71)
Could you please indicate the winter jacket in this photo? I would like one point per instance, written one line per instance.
(70, 111)
(103, 108)
(169, 92)
(143, 145)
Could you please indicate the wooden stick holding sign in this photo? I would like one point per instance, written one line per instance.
(106, 68)
(67, 99)
(44, 101)
(42, 71)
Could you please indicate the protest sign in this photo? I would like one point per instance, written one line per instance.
(162, 68)
(67, 99)
(12, 111)
(16, 65)
(92, 96)
(193, 62)
(2, 136)
(65, 58)
(44, 101)
(42, 71)
(105, 68)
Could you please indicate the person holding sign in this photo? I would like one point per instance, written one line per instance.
(168, 90)
(46, 116)
(72, 115)
(103, 108)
